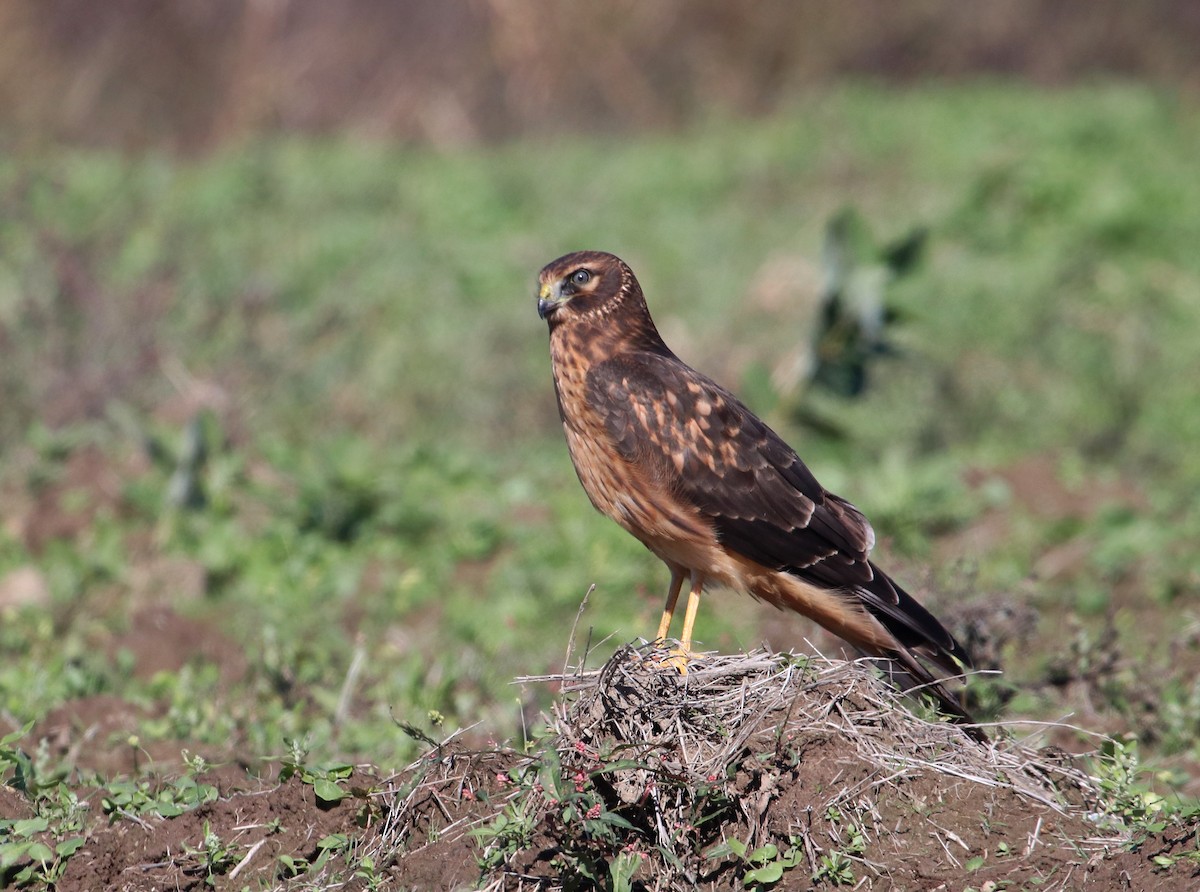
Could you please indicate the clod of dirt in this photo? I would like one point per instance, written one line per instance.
(161, 640)
(13, 806)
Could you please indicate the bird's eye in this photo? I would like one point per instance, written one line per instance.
(581, 277)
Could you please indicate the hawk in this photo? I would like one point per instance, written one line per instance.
(683, 465)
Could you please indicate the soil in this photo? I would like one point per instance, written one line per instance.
(815, 758)
(258, 822)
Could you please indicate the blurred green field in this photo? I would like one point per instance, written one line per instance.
(387, 526)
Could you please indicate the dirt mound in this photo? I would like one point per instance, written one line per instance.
(768, 771)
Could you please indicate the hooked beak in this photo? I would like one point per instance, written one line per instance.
(550, 296)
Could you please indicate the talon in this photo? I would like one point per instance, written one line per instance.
(680, 658)
(677, 658)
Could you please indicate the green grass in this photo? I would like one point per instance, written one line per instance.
(386, 475)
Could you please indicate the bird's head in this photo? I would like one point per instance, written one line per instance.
(586, 284)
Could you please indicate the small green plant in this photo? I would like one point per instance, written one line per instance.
(1126, 796)
(596, 845)
(621, 871)
(370, 875)
(37, 848)
(129, 797)
(290, 867)
(854, 842)
(216, 857)
(23, 848)
(325, 781)
(765, 866)
(506, 834)
(1141, 809)
(590, 832)
(330, 846)
(835, 868)
(16, 768)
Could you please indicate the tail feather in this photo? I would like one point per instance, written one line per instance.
(913, 675)
(920, 640)
(880, 619)
(911, 624)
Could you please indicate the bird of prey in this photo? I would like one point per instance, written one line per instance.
(679, 462)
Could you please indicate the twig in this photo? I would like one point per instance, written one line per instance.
(574, 627)
(1033, 838)
(246, 860)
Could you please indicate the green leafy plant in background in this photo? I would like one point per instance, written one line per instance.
(852, 330)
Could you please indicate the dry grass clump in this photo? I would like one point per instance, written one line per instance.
(750, 769)
(761, 701)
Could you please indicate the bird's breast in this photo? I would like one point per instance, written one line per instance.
(634, 494)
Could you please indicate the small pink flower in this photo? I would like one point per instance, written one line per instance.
(501, 778)
(468, 794)
(593, 812)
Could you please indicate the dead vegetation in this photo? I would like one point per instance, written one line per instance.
(196, 74)
(754, 771)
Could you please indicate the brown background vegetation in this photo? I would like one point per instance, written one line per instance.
(192, 74)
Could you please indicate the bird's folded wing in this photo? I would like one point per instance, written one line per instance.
(718, 458)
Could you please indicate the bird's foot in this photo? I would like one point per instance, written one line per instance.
(676, 658)
(679, 660)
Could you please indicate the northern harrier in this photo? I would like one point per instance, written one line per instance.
(684, 466)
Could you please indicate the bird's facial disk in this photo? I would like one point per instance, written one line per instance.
(554, 293)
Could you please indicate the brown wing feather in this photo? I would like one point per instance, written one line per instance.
(766, 504)
(763, 501)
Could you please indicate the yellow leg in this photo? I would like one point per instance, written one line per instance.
(680, 655)
(664, 625)
(693, 607)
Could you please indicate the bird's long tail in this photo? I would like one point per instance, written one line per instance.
(880, 619)
(920, 641)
